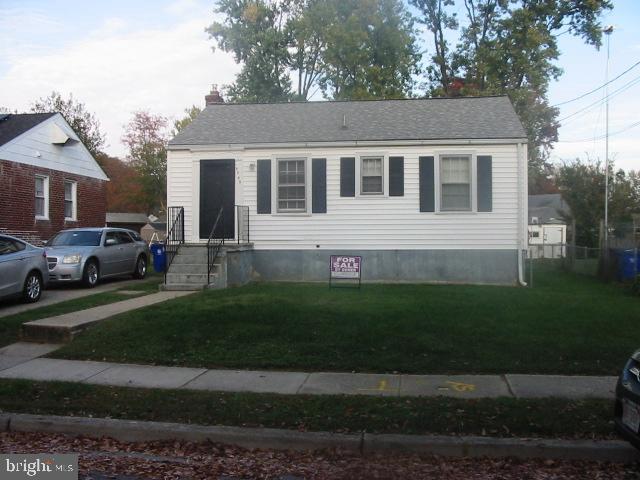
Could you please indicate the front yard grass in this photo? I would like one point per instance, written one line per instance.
(566, 324)
(10, 325)
(494, 417)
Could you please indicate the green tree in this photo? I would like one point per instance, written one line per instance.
(582, 185)
(256, 32)
(146, 139)
(84, 123)
(348, 48)
(190, 114)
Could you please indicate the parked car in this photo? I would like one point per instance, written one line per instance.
(23, 269)
(91, 254)
(627, 408)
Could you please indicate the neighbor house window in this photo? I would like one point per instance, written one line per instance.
(292, 192)
(371, 175)
(70, 200)
(455, 183)
(42, 197)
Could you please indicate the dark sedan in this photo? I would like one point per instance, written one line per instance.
(627, 409)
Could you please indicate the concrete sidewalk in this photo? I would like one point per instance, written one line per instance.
(19, 361)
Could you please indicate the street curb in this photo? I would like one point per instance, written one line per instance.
(468, 446)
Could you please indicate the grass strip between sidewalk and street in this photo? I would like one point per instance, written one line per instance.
(10, 325)
(504, 417)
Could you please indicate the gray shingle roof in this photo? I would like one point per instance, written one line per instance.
(548, 208)
(15, 124)
(415, 119)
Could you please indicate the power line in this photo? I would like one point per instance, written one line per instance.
(602, 100)
(628, 127)
(600, 87)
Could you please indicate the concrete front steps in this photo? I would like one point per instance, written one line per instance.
(188, 271)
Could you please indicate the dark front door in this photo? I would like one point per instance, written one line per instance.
(217, 189)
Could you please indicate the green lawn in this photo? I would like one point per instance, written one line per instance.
(566, 324)
(10, 325)
(495, 417)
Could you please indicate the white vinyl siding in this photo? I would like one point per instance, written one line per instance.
(371, 174)
(42, 197)
(70, 200)
(291, 188)
(363, 222)
(455, 183)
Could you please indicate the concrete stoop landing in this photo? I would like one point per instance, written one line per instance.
(188, 270)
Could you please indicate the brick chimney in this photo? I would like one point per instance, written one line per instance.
(213, 97)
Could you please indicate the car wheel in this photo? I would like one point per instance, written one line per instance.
(141, 268)
(32, 288)
(91, 274)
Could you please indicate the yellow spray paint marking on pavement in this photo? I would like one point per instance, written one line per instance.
(461, 387)
(382, 387)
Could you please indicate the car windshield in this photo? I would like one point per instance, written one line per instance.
(86, 238)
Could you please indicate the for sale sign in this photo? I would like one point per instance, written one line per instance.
(345, 266)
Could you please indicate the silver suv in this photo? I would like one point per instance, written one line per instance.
(23, 269)
(89, 254)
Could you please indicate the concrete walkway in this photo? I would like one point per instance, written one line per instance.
(20, 361)
(62, 293)
(63, 328)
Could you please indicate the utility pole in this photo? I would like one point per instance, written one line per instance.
(607, 31)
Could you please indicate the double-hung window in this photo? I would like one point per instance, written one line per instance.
(371, 175)
(70, 200)
(42, 197)
(292, 192)
(455, 183)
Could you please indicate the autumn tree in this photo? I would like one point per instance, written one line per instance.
(83, 122)
(124, 190)
(146, 138)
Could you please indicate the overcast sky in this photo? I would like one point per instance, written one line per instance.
(120, 56)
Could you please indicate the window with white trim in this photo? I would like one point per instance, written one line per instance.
(70, 189)
(42, 197)
(371, 176)
(455, 183)
(292, 190)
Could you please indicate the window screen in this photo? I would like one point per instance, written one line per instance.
(371, 173)
(291, 186)
(455, 180)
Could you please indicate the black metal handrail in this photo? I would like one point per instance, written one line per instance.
(214, 244)
(175, 236)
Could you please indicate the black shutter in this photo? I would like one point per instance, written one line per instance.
(319, 185)
(485, 184)
(427, 187)
(348, 177)
(264, 186)
(396, 176)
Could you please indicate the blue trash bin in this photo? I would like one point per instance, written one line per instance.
(627, 264)
(159, 256)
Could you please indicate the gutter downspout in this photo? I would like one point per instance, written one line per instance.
(522, 178)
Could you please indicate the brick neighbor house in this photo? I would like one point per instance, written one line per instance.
(48, 179)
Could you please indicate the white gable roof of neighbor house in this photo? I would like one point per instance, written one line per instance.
(46, 140)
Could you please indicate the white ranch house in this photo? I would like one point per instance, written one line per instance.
(429, 190)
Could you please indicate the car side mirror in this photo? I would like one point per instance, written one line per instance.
(109, 242)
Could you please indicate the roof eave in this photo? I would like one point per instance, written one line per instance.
(349, 143)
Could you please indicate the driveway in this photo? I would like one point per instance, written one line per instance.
(62, 293)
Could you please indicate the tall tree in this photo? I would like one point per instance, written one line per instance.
(348, 48)
(124, 191)
(146, 138)
(256, 32)
(84, 123)
(370, 51)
